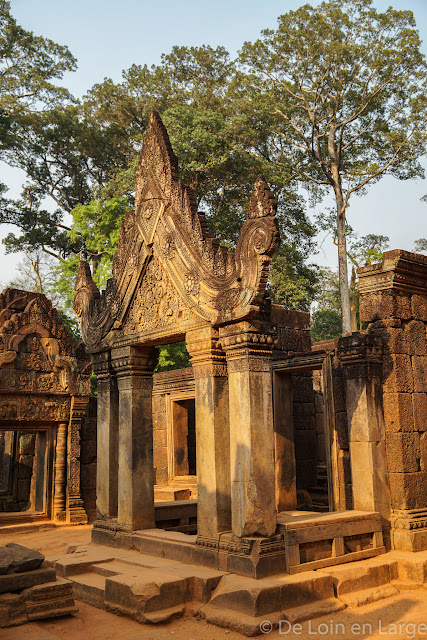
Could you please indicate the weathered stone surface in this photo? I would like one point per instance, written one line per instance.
(415, 333)
(408, 490)
(420, 411)
(14, 558)
(403, 452)
(399, 410)
(397, 374)
(12, 582)
(38, 602)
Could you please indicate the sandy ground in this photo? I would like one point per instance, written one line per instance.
(403, 617)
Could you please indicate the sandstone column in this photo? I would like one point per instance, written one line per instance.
(212, 433)
(59, 496)
(248, 350)
(107, 438)
(134, 367)
(361, 357)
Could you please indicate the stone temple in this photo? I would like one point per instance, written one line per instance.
(272, 477)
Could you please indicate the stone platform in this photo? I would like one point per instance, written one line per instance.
(303, 541)
(155, 590)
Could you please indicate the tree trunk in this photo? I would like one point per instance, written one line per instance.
(353, 300)
(342, 264)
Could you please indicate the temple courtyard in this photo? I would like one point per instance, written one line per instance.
(400, 616)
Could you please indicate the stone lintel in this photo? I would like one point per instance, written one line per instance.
(399, 271)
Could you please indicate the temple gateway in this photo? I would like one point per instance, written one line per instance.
(285, 457)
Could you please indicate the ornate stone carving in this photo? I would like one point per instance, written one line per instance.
(166, 239)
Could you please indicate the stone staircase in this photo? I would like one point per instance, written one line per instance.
(153, 590)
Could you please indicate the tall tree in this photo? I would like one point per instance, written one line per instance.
(28, 66)
(343, 88)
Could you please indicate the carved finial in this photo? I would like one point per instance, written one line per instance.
(262, 202)
(85, 289)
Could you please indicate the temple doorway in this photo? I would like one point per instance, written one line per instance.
(26, 473)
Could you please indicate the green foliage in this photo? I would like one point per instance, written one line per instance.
(173, 356)
(28, 64)
(420, 245)
(325, 325)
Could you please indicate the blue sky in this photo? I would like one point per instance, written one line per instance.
(109, 36)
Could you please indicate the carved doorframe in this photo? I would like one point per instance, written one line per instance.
(171, 398)
(311, 362)
(48, 476)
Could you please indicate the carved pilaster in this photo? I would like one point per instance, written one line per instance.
(75, 509)
(59, 496)
(212, 432)
(248, 348)
(134, 369)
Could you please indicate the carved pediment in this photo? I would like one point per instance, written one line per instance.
(37, 353)
(165, 229)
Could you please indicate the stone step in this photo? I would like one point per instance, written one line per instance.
(363, 582)
(171, 493)
(89, 588)
(144, 592)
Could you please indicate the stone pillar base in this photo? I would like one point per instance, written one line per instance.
(409, 530)
(254, 557)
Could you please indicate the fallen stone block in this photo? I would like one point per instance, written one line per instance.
(14, 558)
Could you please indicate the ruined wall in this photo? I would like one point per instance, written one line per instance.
(394, 304)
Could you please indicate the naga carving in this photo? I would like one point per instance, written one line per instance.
(166, 235)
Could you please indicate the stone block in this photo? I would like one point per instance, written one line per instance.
(419, 368)
(394, 339)
(419, 307)
(321, 447)
(159, 438)
(419, 401)
(320, 423)
(160, 457)
(408, 490)
(145, 592)
(303, 389)
(339, 392)
(306, 474)
(397, 374)
(423, 452)
(403, 451)
(162, 476)
(399, 411)
(88, 452)
(88, 475)
(25, 469)
(415, 333)
(304, 409)
(19, 558)
(159, 404)
(159, 421)
(18, 581)
(384, 305)
(305, 445)
(341, 426)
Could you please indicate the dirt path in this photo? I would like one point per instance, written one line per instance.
(381, 619)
